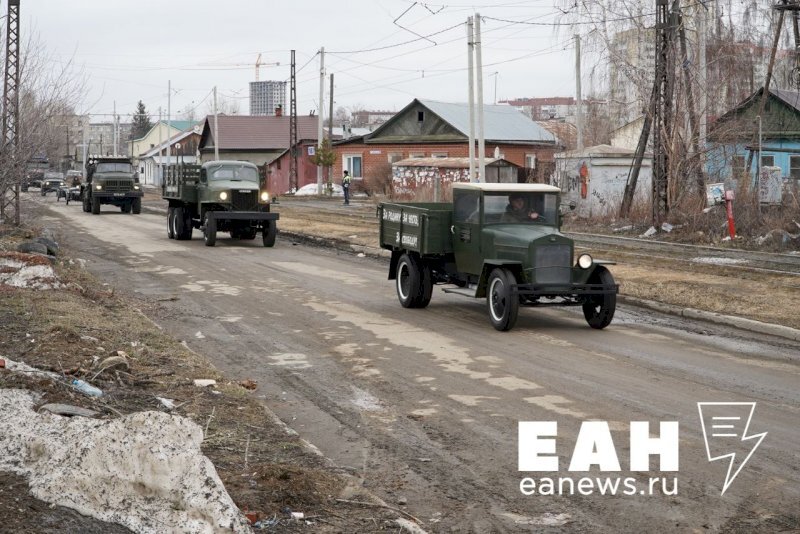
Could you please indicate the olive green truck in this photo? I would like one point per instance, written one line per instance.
(218, 196)
(501, 242)
(111, 180)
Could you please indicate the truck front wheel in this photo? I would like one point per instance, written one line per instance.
(95, 206)
(269, 233)
(136, 206)
(87, 203)
(599, 309)
(502, 304)
(414, 282)
(210, 231)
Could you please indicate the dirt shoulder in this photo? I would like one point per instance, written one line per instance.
(71, 331)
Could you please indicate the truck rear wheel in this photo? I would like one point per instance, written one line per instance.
(502, 304)
(136, 206)
(95, 206)
(414, 283)
(182, 224)
(269, 233)
(599, 309)
(171, 222)
(210, 231)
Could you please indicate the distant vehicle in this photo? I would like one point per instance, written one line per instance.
(34, 172)
(111, 180)
(501, 242)
(52, 182)
(218, 196)
(71, 190)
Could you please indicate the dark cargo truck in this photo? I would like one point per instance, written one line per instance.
(111, 180)
(218, 196)
(501, 242)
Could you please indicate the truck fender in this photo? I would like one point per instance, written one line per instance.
(488, 266)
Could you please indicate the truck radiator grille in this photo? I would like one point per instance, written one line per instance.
(553, 264)
(244, 201)
(117, 186)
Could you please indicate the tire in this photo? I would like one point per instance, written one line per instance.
(177, 222)
(184, 222)
(87, 207)
(170, 223)
(95, 206)
(413, 282)
(502, 305)
(136, 206)
(599, 309)
(126, 208)
(269, 233)
(210, 231)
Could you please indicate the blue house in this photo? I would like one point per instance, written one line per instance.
(735, 136)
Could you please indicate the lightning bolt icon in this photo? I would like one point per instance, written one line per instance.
(725, 428)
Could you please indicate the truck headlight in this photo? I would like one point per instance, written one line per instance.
(584, 261)
(264, 196)
(136, 187)
(223, 196)
(98, 187)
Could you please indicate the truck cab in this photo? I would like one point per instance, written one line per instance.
(111, 180)
(501, 242)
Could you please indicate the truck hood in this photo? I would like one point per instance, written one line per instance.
(224, 185)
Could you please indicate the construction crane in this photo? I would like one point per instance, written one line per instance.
(259, 63)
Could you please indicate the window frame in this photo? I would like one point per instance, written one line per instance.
(349, 167)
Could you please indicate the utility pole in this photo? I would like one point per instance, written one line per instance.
(319, 117)
(479, 75)
(10, 180)
(471, 69)
(293, 125)
(169, 118)
(216, 127)
(161, 142)
(703, 103)
(330, 128)
(579, 110)
(114, 127)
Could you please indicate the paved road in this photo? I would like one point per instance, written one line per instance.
(424, 405)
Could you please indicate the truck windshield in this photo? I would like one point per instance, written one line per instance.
(114, 167)
(233, 172)
(520, 207)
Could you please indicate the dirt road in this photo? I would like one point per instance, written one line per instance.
(424, 405)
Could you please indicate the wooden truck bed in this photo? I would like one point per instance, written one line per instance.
(422, 227)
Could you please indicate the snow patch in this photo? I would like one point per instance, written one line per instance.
(718, 261)
(17, 273)
(144, 471)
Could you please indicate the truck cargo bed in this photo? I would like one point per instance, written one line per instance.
(422, 227)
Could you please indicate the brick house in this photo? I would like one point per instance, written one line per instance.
(278, 169)
(429, 129)
(257, 139)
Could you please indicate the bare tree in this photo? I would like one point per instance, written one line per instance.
(225, 106)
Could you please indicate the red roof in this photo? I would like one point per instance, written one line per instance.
(244, 132)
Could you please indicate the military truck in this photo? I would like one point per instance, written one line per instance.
(218, 196)
(111, 180)
(501, 242)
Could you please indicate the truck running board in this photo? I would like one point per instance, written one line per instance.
(464, 291)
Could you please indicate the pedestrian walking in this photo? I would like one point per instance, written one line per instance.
(346, 187)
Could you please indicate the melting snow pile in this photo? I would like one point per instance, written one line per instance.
(27, 271)
(144, 471)
(718, 261)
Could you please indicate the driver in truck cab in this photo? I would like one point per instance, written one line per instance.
(518, 209)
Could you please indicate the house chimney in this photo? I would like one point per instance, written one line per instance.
(279, 111)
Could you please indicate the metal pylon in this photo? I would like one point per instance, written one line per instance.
(10, 185)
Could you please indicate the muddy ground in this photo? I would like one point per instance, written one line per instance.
(265, 467)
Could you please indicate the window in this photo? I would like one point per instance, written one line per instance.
(420, 116)
(794, 167)
(395, 156)
(438, 154)
(737, 165)
(466, 206)
(352, 164)
(530, 161)
(767, 161)
(416, 155)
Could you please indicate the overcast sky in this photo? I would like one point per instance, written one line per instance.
(129, 49)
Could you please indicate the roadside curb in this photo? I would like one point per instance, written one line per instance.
(741, 323)
(712, 317)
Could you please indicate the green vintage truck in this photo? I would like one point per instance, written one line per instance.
(218, 196)
(111, 180)
(501, 242)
